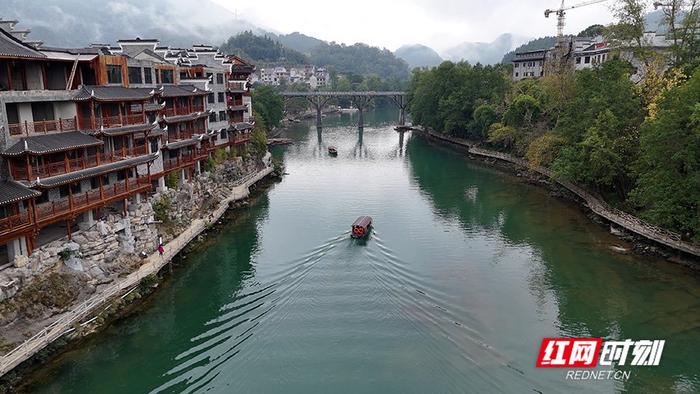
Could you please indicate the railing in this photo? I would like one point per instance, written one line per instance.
(112, 121)
(62, 167)
(179, 161)
(43, 126)
(72, 203)
(183, 110)
(236, 86)
(10, 223)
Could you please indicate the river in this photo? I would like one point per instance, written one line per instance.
(468, 268)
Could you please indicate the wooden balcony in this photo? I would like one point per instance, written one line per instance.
(111, 121)
(43, 126)
(63, 167)
(175, 111)
(176, 163)
(52, 211)
(15, 223)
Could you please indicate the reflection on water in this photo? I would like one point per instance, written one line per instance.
(465, 272)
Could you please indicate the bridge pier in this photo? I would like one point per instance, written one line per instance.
(318, 102)
(361, 103)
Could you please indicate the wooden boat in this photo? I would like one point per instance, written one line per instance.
(361, 227)
(332, 151)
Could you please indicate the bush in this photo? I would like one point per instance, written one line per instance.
(161, 209)
(277, 167)
(173, 180)
(65, 254)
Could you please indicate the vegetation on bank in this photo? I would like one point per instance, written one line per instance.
(637, 145)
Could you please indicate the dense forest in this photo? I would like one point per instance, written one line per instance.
(261, 49)
(637, 145)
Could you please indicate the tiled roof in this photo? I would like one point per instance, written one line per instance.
(113, 93)
(14, 47)
(240, 126)
(123, 130)
(50, 143)
(180, 90)
(75, 176)
(11, 191)
(180, 144)
(184, 118)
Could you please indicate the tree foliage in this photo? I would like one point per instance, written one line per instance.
(668, 168)
(261, 49)
(360, 59)
(445, 98)
(268, 106)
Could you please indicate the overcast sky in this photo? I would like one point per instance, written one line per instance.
(436, 23)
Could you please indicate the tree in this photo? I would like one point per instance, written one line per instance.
(600, 129)
(259, 141)
(592, 31)
(268, 105)
(667, 191)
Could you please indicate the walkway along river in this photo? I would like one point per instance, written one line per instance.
(467, 270)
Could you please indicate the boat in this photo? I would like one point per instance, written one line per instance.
(332, 151)
(348, 110)
(361, 227)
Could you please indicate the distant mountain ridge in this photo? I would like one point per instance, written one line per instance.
(70, 23)
(418, 55)
(485, 52)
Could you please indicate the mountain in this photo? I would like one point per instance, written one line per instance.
(71, 23)
(485, 52)
(360, 59)
(262, 49)
(418, 55)
(298, 41)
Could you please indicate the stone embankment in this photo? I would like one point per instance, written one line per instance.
(597, 205)
(109, 259)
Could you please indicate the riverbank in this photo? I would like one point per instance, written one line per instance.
(645, 237)
(71, 320)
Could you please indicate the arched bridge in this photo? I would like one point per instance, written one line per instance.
(360, 100)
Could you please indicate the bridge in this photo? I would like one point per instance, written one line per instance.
(360, 100)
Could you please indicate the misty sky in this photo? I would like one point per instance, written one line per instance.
(437, 23)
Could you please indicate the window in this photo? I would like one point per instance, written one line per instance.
(114, 74)
(166, 76)
(212, 117)
(516, 74)
(220, 78)
(578, 60)
(221, 97)
(154, 145)
(135, 75)
(587, 59)
(210, 98)
(209, 76)
(224, 135)
(222, 115)
(147, 77)
(517, 65)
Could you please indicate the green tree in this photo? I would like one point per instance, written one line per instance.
(268, 105)
(668, 187)
(258, 141)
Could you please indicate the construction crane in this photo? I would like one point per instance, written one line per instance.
(561, 12)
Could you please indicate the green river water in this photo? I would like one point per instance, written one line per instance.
(467, 269)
